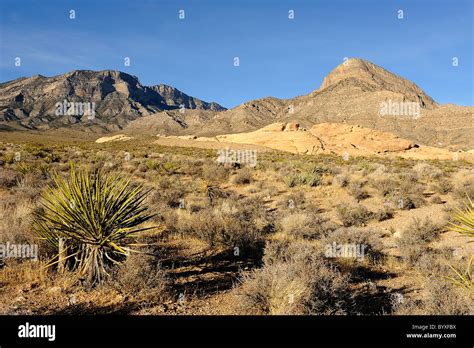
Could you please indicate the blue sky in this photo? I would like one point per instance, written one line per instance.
(278, 56)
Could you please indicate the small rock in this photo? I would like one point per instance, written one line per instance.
(55, 290)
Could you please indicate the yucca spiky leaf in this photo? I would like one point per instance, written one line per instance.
(464, 220)
(464, 225)
(96, 214)
(463, 278)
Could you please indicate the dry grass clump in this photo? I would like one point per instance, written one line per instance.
(308, 176)
(306, 225)
(171, 196)
(386, 213)
(463, 184)
(443, 186)
(8, 178)
(440, 298)
(367, 239)
(292, 180)
(15, 220)
(356, 189)
(353, 214)
(342, 180)
(409, 196)
(384, 185)
(243, 177)
(404, 191)
(295, 279)
(294, 200)
(229, 224)
(214, 173)
(413, 242)
(141, 275)
(426, 171)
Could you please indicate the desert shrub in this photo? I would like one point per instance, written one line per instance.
(306, 225)
(366, 238)
(213, 173)
(408, 196)
(443, 186)
(243, 177)
(311, 179)
(353, 214)
(171, 194)
(142, 168)
(403, 202)
(463, 184)
(295, 279)
(229, 224)
(427, 171)
(292, 180)
(308, 178)
(170, 167)
(294, 200)
(383, 214)
(15, 220)
(141, 275)
(414, 239)
(8, 178)
(152, 164)
(192, 167)
(96, 215)
(342, 180)
(357, 191)
(321, 169)
(385, 185)
(440, 298)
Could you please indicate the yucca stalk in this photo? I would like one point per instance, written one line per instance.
(464, 225)
(96, 214)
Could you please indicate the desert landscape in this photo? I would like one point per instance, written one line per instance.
(148, 201)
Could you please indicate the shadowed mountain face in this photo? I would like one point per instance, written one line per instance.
(114, 99)
(177, 99)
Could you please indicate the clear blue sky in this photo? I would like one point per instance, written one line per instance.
(278, 57)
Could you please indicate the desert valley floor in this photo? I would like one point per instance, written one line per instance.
(251, 239)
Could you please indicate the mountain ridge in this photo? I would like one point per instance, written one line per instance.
(119, 99)
(354, 92)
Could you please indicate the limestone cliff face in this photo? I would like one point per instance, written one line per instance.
(118, 99)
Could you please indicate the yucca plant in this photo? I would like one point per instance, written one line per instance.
(464, 220)
(465, 225)
(95, 215)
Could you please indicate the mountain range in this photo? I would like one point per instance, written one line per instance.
(118, 98)
(356, 92)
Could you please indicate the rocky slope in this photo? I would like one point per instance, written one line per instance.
(118, 99)
(354, 93)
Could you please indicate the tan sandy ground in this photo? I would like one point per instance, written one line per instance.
(335, 138)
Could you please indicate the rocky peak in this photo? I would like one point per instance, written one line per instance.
(378, 79)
